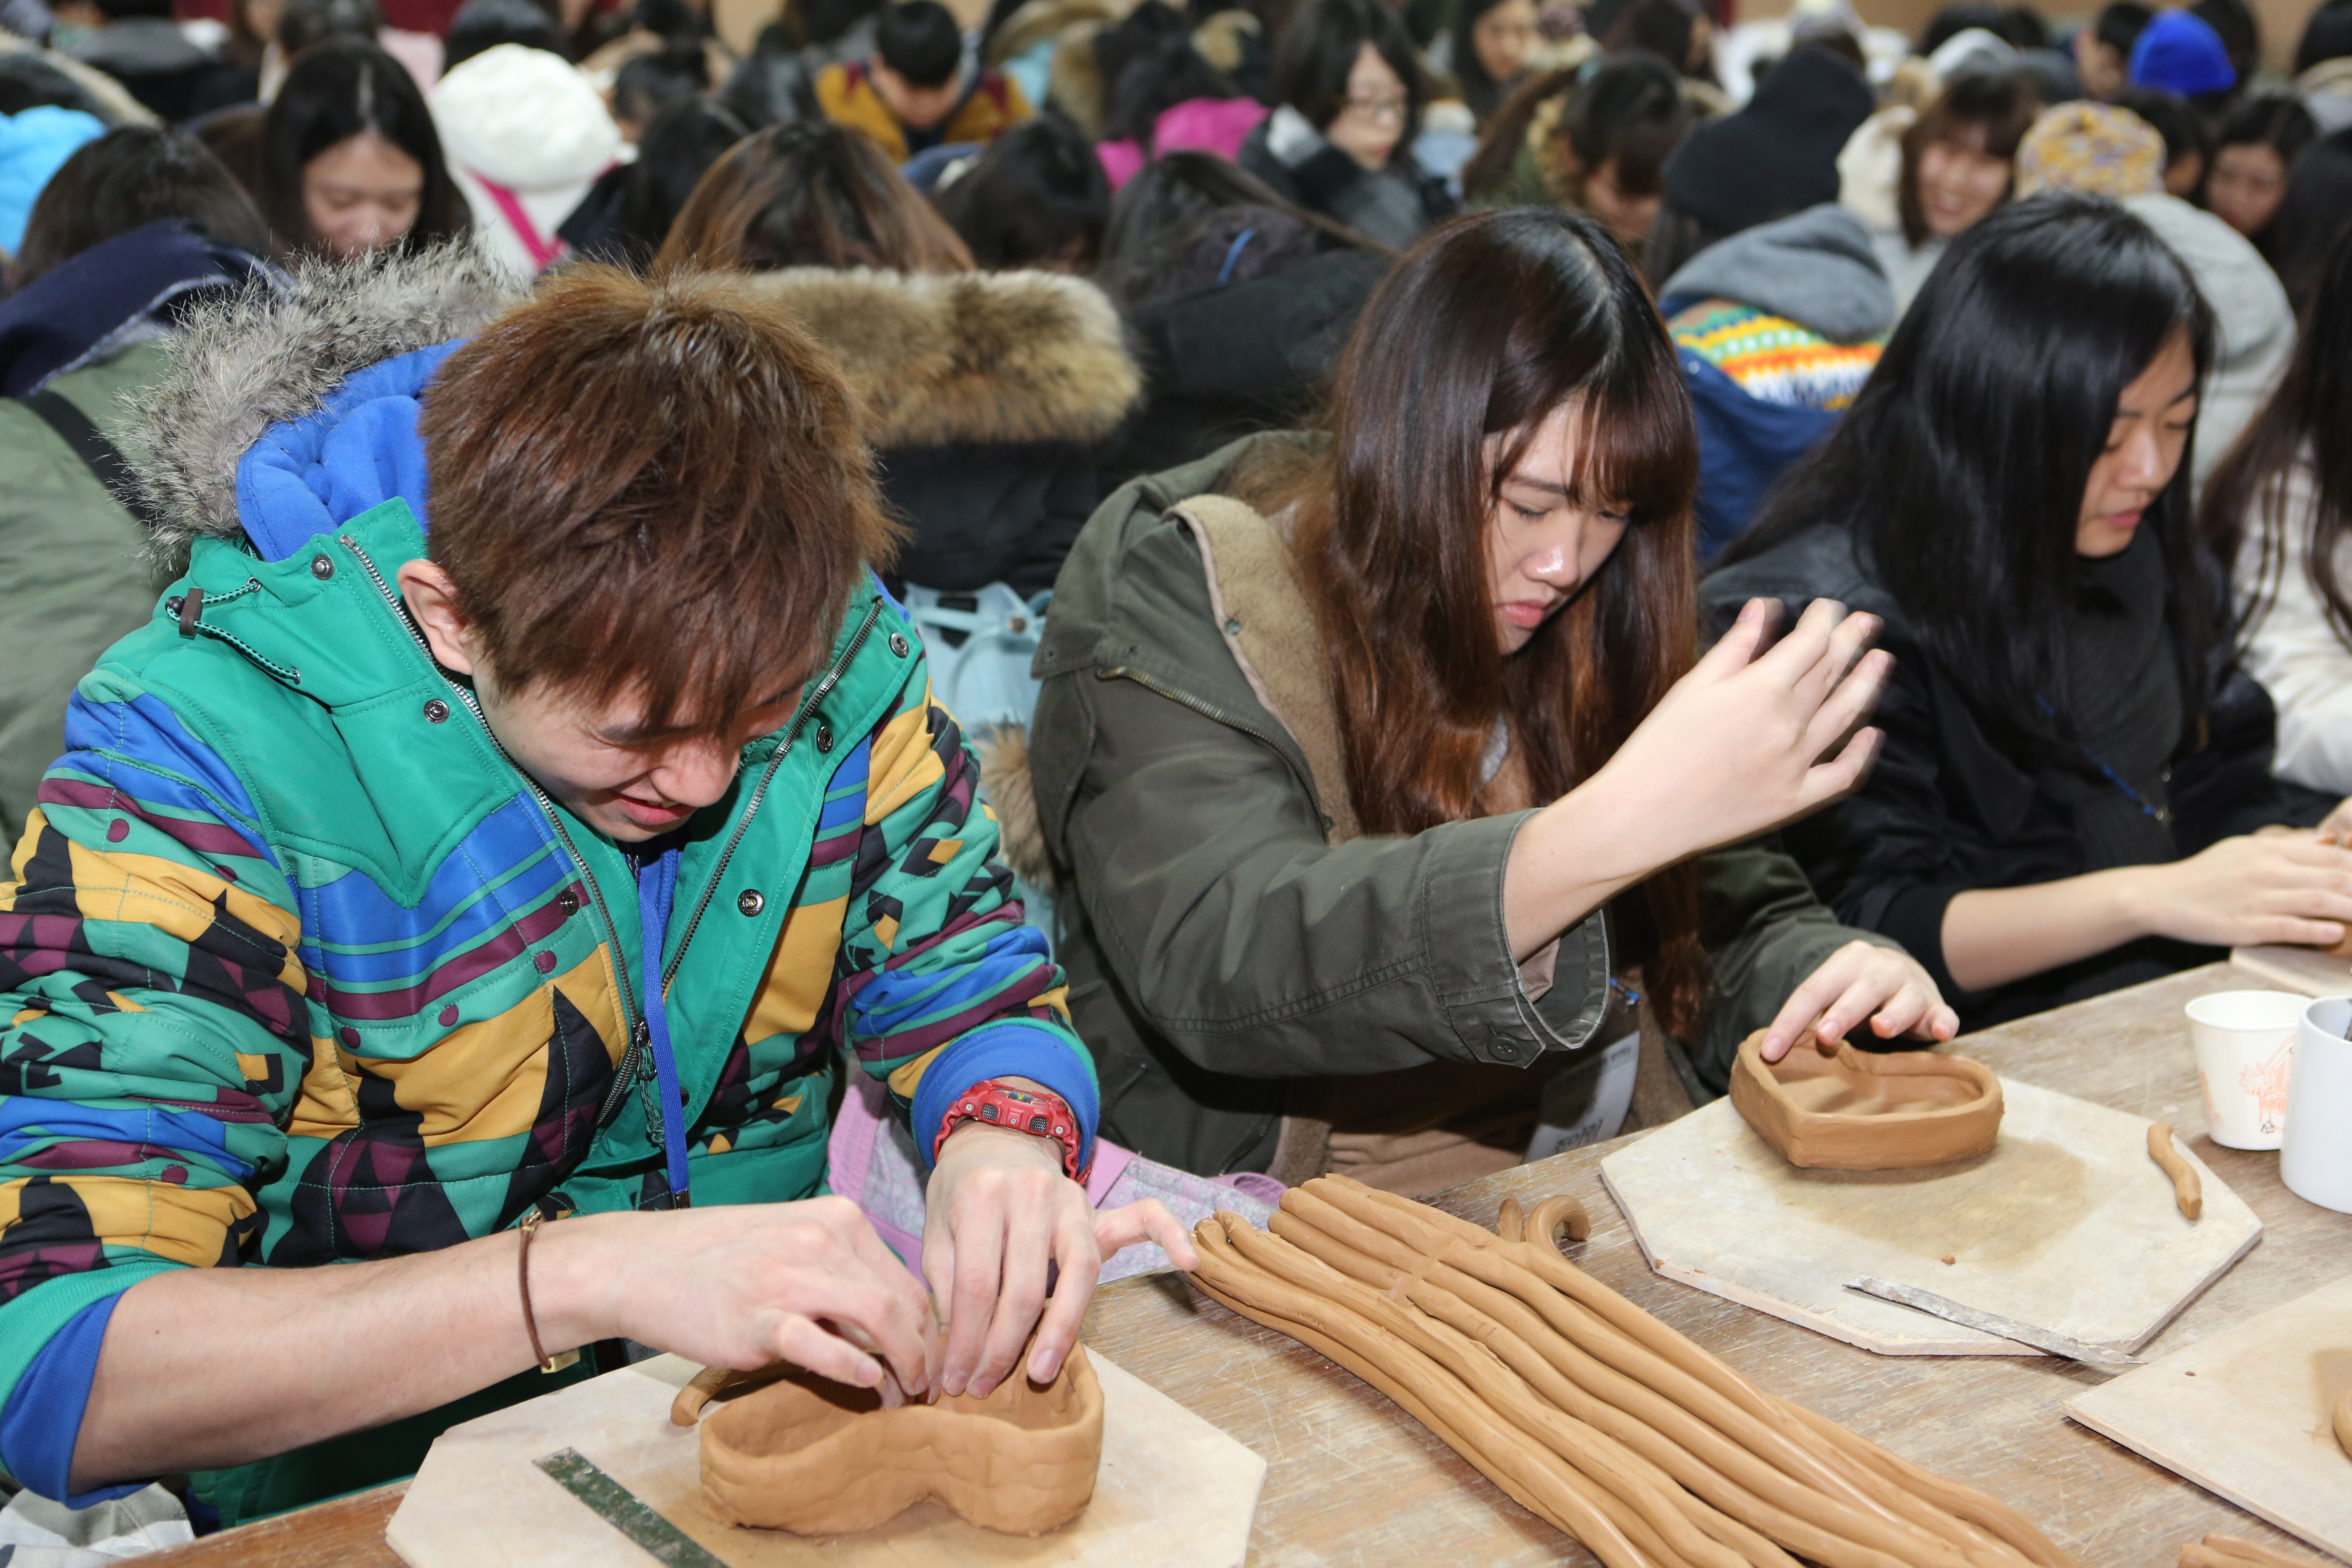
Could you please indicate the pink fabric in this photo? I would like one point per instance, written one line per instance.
(1218, 126)
(543, 251)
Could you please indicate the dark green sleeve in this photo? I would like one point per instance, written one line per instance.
(1257, 949)
(1764, 932)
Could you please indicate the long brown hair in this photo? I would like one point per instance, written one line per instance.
(809, 193)
(1485, 328)
(1629, 108)
(2302, 425)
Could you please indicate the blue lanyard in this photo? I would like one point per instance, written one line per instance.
(2113, 777)
(657, 891)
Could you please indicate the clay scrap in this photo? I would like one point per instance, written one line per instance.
(814, 1457)
(1582, 1407)
(2344, 1424)
(2188, 1187)
(2217, 1550)
(1834, 1108)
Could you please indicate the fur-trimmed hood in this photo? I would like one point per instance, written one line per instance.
(262, 356)
(991, 358)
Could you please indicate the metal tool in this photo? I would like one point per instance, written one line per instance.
(2099, 1356)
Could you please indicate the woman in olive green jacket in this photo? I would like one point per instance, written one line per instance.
(1295, 737)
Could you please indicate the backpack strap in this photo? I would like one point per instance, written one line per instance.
(103, 458)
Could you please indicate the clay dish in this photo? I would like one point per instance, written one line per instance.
(1837, 1109)
(819, 1458)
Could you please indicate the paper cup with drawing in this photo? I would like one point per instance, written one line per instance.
(2245, 1055)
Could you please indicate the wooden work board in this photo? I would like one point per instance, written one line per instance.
(2311, 971)
(2066, 1223)
(2245, 1413)
(566, 1481)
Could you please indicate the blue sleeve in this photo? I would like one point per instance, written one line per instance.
(1013, 1048)
(42, 1420)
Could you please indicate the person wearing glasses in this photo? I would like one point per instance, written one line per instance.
(1349, 95)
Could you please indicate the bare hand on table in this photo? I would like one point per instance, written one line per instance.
(2241, 893)
(997, 1211)
(1862, 981)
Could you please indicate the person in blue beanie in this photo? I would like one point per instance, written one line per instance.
(2180, 52)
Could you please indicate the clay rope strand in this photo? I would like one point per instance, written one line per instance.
(1581, 1406)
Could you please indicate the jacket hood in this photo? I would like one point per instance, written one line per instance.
(1779, 154)
(109, 296)
(1818, 268)
(523, 118)
(263, 422)
(992, 358)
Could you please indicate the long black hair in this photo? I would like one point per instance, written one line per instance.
(1961, 467)
(1317, 50)
(2303, 424)
(338, 89)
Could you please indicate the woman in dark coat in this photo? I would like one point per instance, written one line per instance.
(2072, 764)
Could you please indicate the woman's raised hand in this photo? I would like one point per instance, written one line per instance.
(1741, 744)
(1746, 742)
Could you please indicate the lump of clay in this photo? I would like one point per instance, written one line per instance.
(1837, 1109)
(819, 1458)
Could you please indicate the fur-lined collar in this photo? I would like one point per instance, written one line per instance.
(262, 355)
(996, 358)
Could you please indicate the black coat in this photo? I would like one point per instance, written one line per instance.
(1391, 205)
(1946, 810)
(1223, 361)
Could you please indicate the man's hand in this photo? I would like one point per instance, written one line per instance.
(1862, 981)
(740, 1285)
(998, 1212)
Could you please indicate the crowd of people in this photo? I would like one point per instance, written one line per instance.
(1315, 584)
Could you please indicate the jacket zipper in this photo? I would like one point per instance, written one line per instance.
(817, 694)
(637, 1027)
(1209, 711)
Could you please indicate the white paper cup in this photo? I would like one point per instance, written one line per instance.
(2318, 1166)
(2246, 1053)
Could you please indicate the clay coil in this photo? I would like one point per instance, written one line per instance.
(1536, 1363)
(1651, 1355)
(1249, 1290)
(1554, 1217)
(2188, 1190)
(2218, 1551)
(1604, 1461)
(1525, 1342)
(1712, 1468)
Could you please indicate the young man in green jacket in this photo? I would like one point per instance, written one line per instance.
(421, 875)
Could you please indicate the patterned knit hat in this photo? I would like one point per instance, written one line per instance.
(2090, 149)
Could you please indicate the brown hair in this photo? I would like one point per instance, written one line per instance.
(809, 193)
(1990, 111)
(650, 490)
(1631, 109)
(1494, 322)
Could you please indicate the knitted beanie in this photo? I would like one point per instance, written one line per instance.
(2180, 52)
(2090, 149)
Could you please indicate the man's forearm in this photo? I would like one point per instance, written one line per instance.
(203, 1368)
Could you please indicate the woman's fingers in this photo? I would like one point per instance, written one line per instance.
(1736, 648)
(1849, 706)
(1805, 1003)
(1841, 774)
(2287, 931)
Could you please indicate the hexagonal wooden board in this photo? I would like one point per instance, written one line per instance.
(2067, 1224)
(1173, 1489)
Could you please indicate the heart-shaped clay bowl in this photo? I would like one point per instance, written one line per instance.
(818, 1457)
(1837, 1109)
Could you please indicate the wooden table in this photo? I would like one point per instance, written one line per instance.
(1351, 1479)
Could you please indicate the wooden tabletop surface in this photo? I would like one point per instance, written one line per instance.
(1351, 1479)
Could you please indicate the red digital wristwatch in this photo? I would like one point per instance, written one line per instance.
(1037, 1111)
